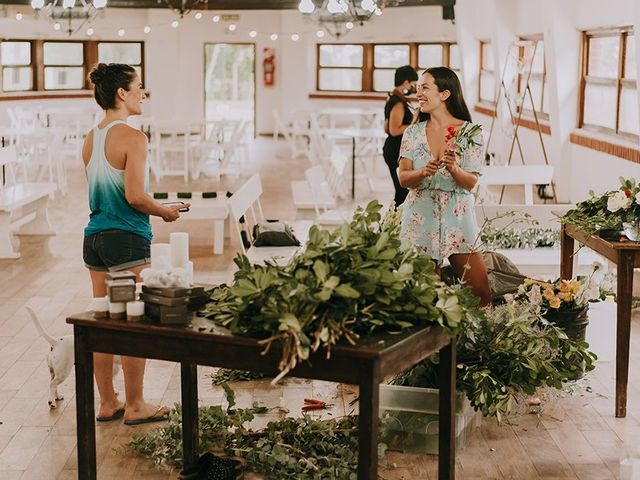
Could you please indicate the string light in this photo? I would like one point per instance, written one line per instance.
(295, 37)
(18, 16)
(320, 33)
(90, 31)
(147, 29)
(232, 27)
(175, 24)
(274, 36)
(56, 26)
(215, 19)
(121, 32)
(349, 25)
(253, 34)
(198, 15)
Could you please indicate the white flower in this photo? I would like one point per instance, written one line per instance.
(638, 198)
(590, 291)
(521, 290)
(535, 295)
(508, 297)
(617, 201)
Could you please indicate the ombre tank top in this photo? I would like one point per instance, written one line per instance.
(107, 201)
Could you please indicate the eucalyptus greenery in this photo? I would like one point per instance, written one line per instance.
(534, 237)
(225, 375)
(346, 283)
(503, 352)
(300, 449)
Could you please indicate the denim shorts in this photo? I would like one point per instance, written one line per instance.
(115, 250)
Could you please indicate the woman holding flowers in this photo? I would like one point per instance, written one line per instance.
(440, 161)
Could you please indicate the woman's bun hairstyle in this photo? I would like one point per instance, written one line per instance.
(107, 79)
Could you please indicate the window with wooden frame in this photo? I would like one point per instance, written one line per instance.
(39, 65)
(16, 60)
(537, 80)
(486, 78)
(609, 90)
(371, 67)
(130, 53)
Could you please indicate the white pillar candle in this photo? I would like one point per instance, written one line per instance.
(135, 311)
(160, 256)
(100, 307)
(179, 242)
(117, 310)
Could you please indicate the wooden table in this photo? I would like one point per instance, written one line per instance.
(626, 256)
(367, 365)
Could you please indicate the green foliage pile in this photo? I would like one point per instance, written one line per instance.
(300, 449)
(225, 375)
(503, 352)
(346, 283)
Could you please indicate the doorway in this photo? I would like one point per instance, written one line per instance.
(230, 83)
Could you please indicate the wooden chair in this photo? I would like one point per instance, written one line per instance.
(246, 211)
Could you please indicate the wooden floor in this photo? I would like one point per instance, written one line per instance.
(576, 436)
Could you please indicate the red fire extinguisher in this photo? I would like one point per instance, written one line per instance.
(269, 66)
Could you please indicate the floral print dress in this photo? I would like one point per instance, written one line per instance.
(439, 217)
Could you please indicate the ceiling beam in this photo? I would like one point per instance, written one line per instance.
(235, 4)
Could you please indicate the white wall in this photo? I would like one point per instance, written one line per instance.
(577, 169)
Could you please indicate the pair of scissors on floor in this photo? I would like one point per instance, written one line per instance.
(311, 404)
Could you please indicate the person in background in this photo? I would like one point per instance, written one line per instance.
(397, 117)
(118, 236)
(440, 168)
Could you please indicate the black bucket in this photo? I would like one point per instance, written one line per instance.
(574, 324)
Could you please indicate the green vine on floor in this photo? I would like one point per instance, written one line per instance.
(226, 375)
(290, 448)
(535, 237)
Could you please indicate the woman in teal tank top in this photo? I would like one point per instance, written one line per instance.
(118, 235)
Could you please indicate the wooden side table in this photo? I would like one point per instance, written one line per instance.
(626, 256)
(366, 364)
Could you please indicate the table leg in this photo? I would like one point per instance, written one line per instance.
(190, 428)
(368, 424)
(623, 298)
(447, 413)
(566, 252)
(353, 167)
(85, 410)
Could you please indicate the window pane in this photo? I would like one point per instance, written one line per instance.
(340, 79)
(487, 87)
(16, 78)
(15, 53)
(429, 56)
(537, 66)
(603, 56)
(63, 78)
(630, 60)
(629, 111)
(487, 56)
(383, 80)
(390, 55)
(128, 53)
(63, 53)
(600, 105)
(454, 56)
(341, 55)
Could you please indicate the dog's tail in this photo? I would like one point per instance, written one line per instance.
(52, 341)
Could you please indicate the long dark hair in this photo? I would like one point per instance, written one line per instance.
(446, 79)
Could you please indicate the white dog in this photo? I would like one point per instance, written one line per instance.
(60, 359)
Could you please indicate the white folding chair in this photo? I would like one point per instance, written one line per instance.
(246, 211)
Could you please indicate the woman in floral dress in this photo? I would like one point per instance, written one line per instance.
(440, 161)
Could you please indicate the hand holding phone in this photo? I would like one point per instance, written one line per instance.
(184, 208)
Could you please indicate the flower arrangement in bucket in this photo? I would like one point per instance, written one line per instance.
(610, 215)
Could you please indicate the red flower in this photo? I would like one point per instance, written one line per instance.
(627, 192)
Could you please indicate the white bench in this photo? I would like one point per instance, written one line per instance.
(23, 206)
(525, 175)
(215, 209)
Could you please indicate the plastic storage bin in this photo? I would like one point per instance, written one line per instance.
(409, 419)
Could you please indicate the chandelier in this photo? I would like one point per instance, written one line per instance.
(69, 10)
(337, 17)
(184, 7)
